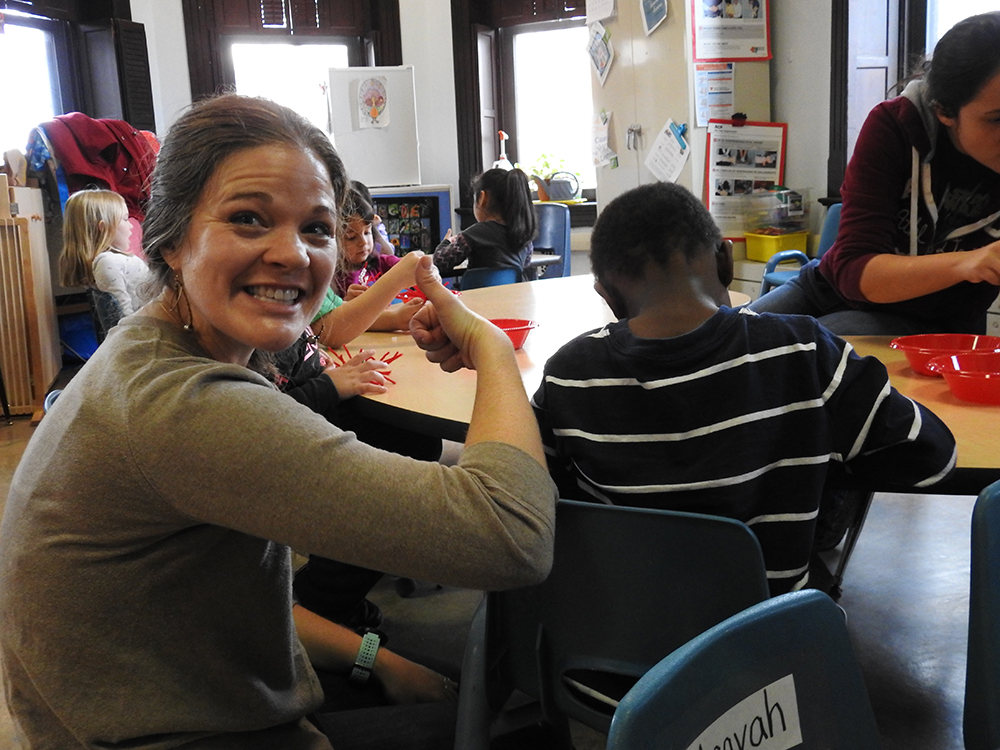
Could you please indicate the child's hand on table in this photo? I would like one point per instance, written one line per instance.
(397, 317)
(359, 375)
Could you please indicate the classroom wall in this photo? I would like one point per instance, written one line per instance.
(168, 67)
(800, 81)
(800, 92)
(426, 41)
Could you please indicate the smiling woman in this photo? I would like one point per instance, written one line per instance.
(145, 585)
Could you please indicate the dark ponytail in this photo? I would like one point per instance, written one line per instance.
(510, 197)
(963, 61)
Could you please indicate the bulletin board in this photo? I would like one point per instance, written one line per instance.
(381, 148)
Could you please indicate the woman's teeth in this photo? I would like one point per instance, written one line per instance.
(277, 295)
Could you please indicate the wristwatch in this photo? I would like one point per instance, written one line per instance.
(365, 661)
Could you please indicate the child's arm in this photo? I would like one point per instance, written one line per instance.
(883, 436)
(109, 276)
(345, 323)
(382, 244)
(451, 252)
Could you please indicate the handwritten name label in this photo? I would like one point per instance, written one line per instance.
(766, 720)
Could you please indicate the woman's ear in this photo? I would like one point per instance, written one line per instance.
(943, 118)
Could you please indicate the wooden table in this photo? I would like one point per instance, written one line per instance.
(976, 427)
(437, 403)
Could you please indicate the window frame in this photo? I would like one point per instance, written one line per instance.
(356, 48)
(66, 89)
(505, 73)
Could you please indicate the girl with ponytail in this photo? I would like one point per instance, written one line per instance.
(506, 226)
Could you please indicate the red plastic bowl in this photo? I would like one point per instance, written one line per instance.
(517, 329)
(971, 376)
(923, 347)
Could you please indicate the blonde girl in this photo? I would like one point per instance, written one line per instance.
(95, 253)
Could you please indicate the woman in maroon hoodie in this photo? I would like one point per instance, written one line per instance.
(923, 260)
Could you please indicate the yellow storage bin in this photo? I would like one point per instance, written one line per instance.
(762, 246)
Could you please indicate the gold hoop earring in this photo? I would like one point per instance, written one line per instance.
(178, 294)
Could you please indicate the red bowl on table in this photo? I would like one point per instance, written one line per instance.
(923, 347)
(971, 376)
(517, 329)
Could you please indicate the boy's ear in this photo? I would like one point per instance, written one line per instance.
(724, 262)
(613, 298)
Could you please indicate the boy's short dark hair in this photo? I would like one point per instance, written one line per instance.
(650, 222)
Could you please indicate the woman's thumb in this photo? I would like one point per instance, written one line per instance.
(429, 280)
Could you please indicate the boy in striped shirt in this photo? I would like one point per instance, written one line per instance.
(687, 404)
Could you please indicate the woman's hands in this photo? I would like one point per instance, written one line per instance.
(450, 333)
(359, 375)
(405, 681)
(982, 264)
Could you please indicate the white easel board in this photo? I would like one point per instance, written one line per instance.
(383, 155)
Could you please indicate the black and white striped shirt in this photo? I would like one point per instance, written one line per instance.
(739, 418)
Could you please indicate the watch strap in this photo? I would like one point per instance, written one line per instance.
(365, 660)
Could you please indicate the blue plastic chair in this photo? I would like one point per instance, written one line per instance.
(774, 277)
(628, 586)
(475, 278)
(795, 647)
(982, 679)
(104, 311)
(554, 237)
(50, 398)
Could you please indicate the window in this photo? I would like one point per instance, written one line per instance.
(943, 14)
(553, 101)
(27, 54)
(262, 70)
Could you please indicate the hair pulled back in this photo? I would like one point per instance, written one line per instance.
(965, 58)
(650, 223)
(509, 195)
(205, 136)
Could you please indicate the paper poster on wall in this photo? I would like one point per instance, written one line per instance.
(653, 14)
(741, 159)
(669, 153)
(730, 30)
(601, 149)
(714, 87)
(602, 53)
(598, 10)
(373, 102)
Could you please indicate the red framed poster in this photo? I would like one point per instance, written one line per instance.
(742, 158)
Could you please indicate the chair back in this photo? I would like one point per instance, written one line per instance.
(982, 679)
(627, 587)
(554, 237)
(50, 398)
(475, 278)
(782, 673)
(831, 224)
(104, 311)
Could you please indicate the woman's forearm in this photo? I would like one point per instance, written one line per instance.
(890, 278)
(501, 411)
